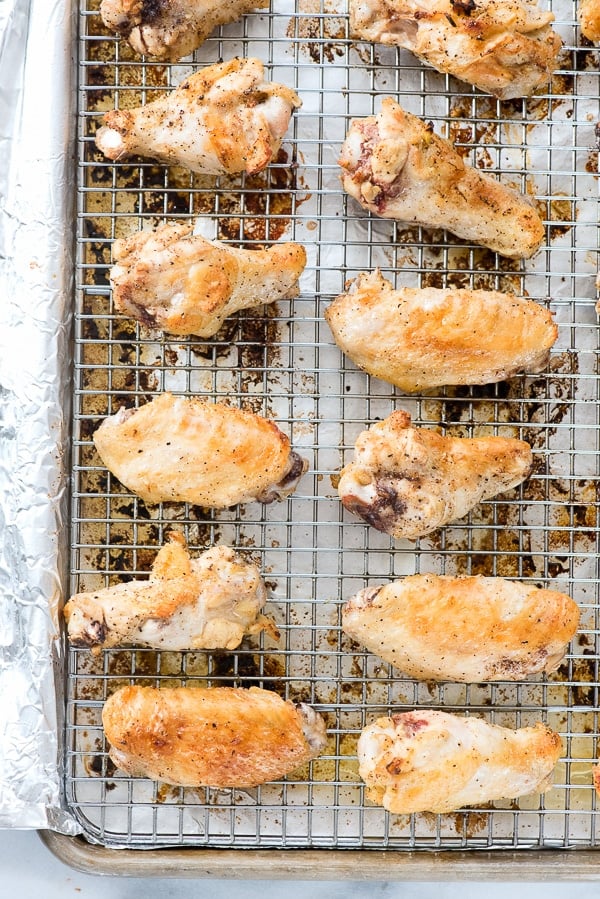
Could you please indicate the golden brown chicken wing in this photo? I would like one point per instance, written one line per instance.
(170, 29)
(431, 761)
(588, 14)
(215, 737)
(221, 120)
(470, 629)
(418, 339)
(397, 168)
(186, 450)
(210, 602)
(409, 481)
(173, 279)
(504, 47)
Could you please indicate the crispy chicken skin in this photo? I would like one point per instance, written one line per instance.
(216, 737)
(504, 47)
(397, 168)
(419, 339)
(210, 602)
(171, 29)
(173, 279)
(221, 120)
(469, 629)
(429, 761)
(175, 449)
(588, 13)
(409, 481)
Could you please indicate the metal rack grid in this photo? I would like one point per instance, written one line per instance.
(281, 361)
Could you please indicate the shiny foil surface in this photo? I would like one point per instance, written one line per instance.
(37, 103)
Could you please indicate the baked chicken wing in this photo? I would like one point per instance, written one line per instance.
(397, 168)
(173, 279)
(186, 450)
(214, 737)
(469, 629)
(409, 481)
(221, 120)
(588, 13)
(170, 29)
(428, 761)
(419, 339)
(504, 47)
(206, 603)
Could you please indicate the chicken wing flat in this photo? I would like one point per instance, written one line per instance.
(171, 29)
(409, 481)
(588, 13)
(221, 120)
(504, 47)
(210, 602)
(419, 339)
(429, 761)
(469, 629)
(397, 168)
(214, 737)
(186, 450)
(173, 279)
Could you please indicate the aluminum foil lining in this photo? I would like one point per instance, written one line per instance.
(37, 100)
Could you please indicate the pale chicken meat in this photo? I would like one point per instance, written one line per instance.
(409, 481)
(397, 168)
(210, 602)
(223, 119)
(214, 737)
(588, 13)
(468, 629)
(430, 761)
(423, 338)
(171, 29)
(175, 449)
(504, 47)
(173, 279)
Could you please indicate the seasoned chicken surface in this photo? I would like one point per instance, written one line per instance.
(173, 279)
(504, 47)
(588, 13)
(469, 629)
(397, 168)
(186, 450)
(171, 29)
(221, 120)
(419, 339)
(428, 761)
(409, 481)
(206, 603)
(216, 737)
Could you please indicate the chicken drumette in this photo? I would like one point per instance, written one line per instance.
(397, 168)
(221, 120)
(173, 279)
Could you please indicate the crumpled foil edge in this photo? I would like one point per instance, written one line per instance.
(37, 106)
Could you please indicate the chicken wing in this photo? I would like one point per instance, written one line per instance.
(221, 120)
(504, 47)
(206, 603)
(469, 629)
(397, 168)
(588, 13)
(419, 339)
(171, 29)
(173, 279)
(186, 450)
(409, 481)
(431, 761)
(215, 737)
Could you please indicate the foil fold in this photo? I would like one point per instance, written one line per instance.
(37, 106)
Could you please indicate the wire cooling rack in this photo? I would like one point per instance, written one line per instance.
(281, 361)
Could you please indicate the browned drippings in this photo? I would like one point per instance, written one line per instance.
(319, 34)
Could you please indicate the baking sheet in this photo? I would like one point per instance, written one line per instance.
(281, 361)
